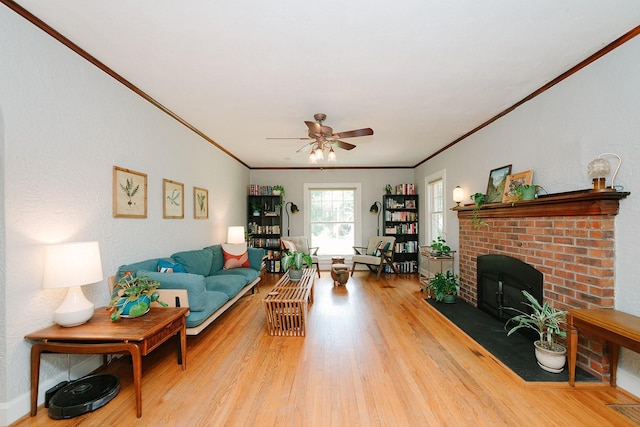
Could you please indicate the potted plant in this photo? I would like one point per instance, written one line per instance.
(444, 286)
(546, 321)
(277, 190)
(478, 201)
(294, 263)
(439, 247)
(387, 188)
(256, 208)
(132, 297)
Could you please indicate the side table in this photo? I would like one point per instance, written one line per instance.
(138, 337)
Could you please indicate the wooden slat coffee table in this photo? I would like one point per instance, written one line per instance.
(138, 337)
(287, 304)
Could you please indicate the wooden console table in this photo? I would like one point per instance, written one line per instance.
(613, 326)
(138, 337)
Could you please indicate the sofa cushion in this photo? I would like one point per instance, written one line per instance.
(227, 283)
(217, 262)
(235, 255)
(249, 274)
(165, 266)
(193, 283)
(214, 300)
(148, 265)
(196, 261)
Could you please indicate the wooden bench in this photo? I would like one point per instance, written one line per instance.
(615, 327)
(287, 304)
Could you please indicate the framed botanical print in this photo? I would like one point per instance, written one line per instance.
(129, 193)
(513, 182)
(173, 199)
(200, 203)
(495, 186)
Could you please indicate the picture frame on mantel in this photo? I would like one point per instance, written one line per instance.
(496, 184)
(200, 203)
(173, 199)
(513, 182)
(129, 193)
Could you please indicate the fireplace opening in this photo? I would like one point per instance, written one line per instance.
(501, 280)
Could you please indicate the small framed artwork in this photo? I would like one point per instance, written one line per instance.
(410, 204)
(513, 182)
(200, 203)
(173, 199)
(129, 193)
(495, 186)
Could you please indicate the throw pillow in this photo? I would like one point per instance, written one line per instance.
(235, 255)
(289, 245)
(376, 251)
(165, 266)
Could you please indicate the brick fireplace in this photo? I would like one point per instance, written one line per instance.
(569, 237)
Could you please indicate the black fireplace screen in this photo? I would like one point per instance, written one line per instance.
(501, 280)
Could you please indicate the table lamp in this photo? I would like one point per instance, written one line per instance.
(599, 169)
(235, 234)
(71, 265)
(458, 195)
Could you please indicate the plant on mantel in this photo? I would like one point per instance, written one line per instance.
(478, 200)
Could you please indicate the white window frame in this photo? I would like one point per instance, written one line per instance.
(325, 260)
(439, 175)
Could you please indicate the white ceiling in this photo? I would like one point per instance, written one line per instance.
(421, 73)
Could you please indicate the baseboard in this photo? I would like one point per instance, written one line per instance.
(21, 405)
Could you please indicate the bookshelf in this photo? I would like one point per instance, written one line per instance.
(400, 219)
(264, 223)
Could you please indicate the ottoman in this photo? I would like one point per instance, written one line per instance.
(339, 271)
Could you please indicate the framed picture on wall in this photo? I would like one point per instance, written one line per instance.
(200, 203)
(129, 193)
(173, 199)
(513, 182)
(495, 186)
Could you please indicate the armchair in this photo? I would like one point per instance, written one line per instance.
(301, 244)
(378, 252)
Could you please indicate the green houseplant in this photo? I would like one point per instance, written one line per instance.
(444, 286)
(439, 247)
(132, 297)
(293, 262)
(546, 321)
(387, 189)
(277, 190)
(478, 201)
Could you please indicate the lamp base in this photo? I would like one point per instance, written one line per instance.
(599, 184)
(75, 310)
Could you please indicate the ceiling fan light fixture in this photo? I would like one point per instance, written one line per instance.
(312, 158)
(332, 155)
(319, 154)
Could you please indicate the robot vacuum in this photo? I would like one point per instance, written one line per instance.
(83, 395)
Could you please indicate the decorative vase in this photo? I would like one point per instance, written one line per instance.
(295, 275)
(136, 308)
(551, 360)
(528, 192)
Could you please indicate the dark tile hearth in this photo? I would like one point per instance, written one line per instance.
(515, 351)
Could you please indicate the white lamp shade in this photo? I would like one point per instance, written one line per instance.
(235, 234)
(458, 194)
(71, 265)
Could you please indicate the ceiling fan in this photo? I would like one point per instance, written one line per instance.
(323, 138)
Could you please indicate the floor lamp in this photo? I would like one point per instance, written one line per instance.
(294, 210)
(375, 209)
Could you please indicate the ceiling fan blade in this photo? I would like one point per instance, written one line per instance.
(353, 133)
(304, 146)
(344, 145)
(299, 139)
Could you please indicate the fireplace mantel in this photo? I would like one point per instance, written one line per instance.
(582, 202)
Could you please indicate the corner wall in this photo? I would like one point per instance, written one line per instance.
(65, 124)
(557, 134)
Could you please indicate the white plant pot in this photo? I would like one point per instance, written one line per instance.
(551, 360)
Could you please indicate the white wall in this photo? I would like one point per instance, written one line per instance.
(372, 180)
(64, 124)
(557, 134)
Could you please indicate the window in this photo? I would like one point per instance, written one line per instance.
(330, 218)
(435, 206)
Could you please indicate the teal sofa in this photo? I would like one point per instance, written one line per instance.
(210, 288)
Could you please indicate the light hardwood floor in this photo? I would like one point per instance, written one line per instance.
(375, 354)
